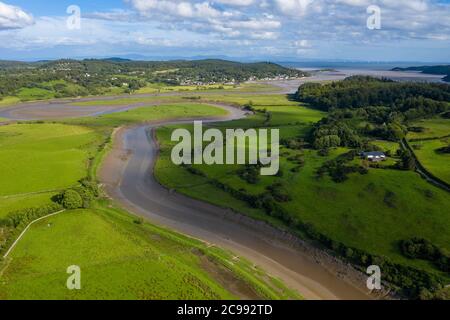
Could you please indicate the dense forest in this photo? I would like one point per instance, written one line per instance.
(83, 77)
(440, 70)
(361, 112)
(363, 108)
(362, 91)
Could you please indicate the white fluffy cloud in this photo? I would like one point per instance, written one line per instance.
(12, 17)
(338, 19)
(248, 26)
(239, 3)
(294, 7)
(184, 9)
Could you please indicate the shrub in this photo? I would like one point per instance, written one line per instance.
(71, 199)
(445, 150)
(324, 152)
(250, 173)
(390, 198)
(423, 249)
(88, 190)
(279, 192)
(15, 223)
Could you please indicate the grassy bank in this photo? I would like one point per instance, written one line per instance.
(371, 212)
(37, 160)
(120, 259)
(121, 256)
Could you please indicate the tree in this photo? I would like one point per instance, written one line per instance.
(327, 142)
(408, 162)
(71, 199)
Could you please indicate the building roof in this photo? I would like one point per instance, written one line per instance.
(373, 154)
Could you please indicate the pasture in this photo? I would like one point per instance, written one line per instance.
(41, 158)
(152, 113)
(435, 134)
(371, 212)
(120, 259)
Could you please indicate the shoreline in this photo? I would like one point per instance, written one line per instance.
(118, 159)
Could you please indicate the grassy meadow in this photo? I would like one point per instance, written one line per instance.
(123, 259)
(151, 113)
(433, 128)
(435, 134)
(7, 101)
(120, 259)
(120, 256)
(371, 212)
(60, 88)
(163, 88)
(37, 160)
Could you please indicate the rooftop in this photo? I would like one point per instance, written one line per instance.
(373, 154)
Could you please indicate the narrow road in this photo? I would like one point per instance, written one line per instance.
(127, 174)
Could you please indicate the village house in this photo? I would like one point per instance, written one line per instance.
(374, 156)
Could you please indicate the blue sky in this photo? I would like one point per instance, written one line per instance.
(411, 30)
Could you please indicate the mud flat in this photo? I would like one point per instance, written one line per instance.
(127, 174)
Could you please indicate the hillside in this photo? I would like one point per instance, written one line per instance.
(21, 81)
(441, 70)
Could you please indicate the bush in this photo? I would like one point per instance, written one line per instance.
(279, 192)
(412, 281)
(15, 223)
(250, 173)
(71, 199)
(444, 150)
(423, 249)
(407, 161)
(390, 199)
(88, 190)
(323, 152)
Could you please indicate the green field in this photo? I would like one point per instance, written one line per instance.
(41, 157)
(162, 88)
(257, 87)
(23, 201)
(370, 212)
(7, 101)
(433, 128)
(244, 87)
(435, 162)
(435, 135)
(153, 113)
(128, 100)
(60, 88)
(29, 94)
(120, 259)
(354, 212)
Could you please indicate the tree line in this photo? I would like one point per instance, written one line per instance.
(363, 108)
(91, 76)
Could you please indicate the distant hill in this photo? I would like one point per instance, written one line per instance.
(440, 70)
(114, 59)
(6, 64)
(71, 77)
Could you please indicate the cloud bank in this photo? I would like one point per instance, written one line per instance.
(305, 28)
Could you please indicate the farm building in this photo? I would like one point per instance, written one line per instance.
(374, 156)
